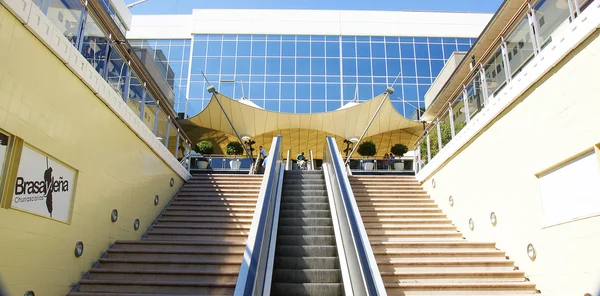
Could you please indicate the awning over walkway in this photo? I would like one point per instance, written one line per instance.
(388, 128)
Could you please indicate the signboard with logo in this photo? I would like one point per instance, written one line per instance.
(43, 186)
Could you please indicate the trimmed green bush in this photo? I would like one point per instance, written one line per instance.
(204, 147)
(234, 148)
(399, 150)
(367, 148)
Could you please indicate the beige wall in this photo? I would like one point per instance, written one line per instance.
(45, 104)
(553, 121)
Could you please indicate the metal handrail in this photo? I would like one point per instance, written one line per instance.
(254, 169)
(288, 162)
(253, 271)
(362, 267)
(311, 164)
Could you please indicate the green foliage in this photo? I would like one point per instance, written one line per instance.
(433, 139)
(367, 148)
(234, 148)
(204, 147)
(399, 150)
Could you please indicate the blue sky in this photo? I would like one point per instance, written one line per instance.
(186, 6)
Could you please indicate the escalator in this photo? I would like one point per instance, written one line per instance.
(306, 258)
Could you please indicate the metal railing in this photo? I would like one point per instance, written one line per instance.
(254, 277)
(220, 162)
(311, 163)
(360, 266)
(381, 164)
(288, 161)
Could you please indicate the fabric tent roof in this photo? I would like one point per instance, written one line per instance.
(347, 123)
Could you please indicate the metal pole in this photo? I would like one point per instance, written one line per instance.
(388, 91)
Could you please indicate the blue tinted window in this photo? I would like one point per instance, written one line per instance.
(303, 78)
(378, 50)
(226, 88)
(393, 67)
(334, 91)
(214, 48)
(410, 92)
(302, 37)
(229, 37)
(409, 80)
(215, 37)
(259, 48)
(349, 79)
(287, 91)
(436, 52)
(186, 53)
(391, 39)
(286, 106)
(435, 40)
(378, 67)
(422, 91)
(196, 89)
(288, 49)
(463, 40)
(272, 78)
(303, 49)
(242, 66)
(408, 67)
(273, 48)
(317, 38)
(423, 68)
(348, 49)
(272, 91)
(363, 38)
(420, 39)
(258, 66)
(392, 50)
(333, 66)
(376, 38)
(302, 91)
(407, 50)
(274, 37)
(422, 80)
(229, 49)
(288, 66)
(318, 106)
(302, 106)
(213, 66)
(349, 92)
(364, 67)
(349, 66)
(318, 66)
(272, 105)
(303, 66)
(333, 105)
(406, 39)
(259, 37)
(422, 51)
(332, 38)
(200, 49)
(318, 49)
(198, 65)
(288, 79)
(257, 90)
(194, 107)
(244, 37)
(464, 47)
(449, 40)
(348, 38)
(228, 66)
(176, 53)
(200, 37)
(273, 66)
(448, 50)
(436, 67)
(333, 49)
(365, 92)
(318, 91)
(363, 50)
(243, 48)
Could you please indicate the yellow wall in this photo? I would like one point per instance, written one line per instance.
(45, 104)
(553, 121)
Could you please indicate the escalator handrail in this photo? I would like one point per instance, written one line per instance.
(253, 268)
(371, 275)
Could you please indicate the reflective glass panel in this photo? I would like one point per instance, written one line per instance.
(94, 47)
(519, 47)
(66, 15)
(550, 14)
(495, 75)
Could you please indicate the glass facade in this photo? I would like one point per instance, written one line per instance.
(305, 74)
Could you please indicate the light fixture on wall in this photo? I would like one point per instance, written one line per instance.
(433, 183)
(531, 252)
(471, 224)
(114, 215)
(156, 200)
(172, 182)
(136, 224)
(493, 219)
(451, 201)
(29, 293)
(78, 249)
(354, 140)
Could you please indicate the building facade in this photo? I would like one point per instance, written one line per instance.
(307, 61)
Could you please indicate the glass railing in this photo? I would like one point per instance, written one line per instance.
(81, 27)
(381, 164)
(220, 162)
(523, 38)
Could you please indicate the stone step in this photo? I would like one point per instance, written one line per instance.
(383, 209)
(398, 228)
(371, 222)
(387, 200)
(400, 190)
(199, 254)
(211, 204)
(215, 209)
(253, 185)
(195, 225)
(182, 288)
(211, 265)
(385, 177)
(163, 275)
(215, 194)
(247, 200)
(208, 246)
(475, 288)
(453, 276)
(198, 232)
(196, 214)
(391, 194)
(396, 204)
(440, 253)
(223, 220)
(426, 246)
(411, 215)
(197, 237)
(414, 234)
(443, 262)
(388, 186)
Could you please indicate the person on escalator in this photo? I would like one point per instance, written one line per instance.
(302, 163)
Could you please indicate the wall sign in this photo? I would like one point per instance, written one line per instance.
(43, 186)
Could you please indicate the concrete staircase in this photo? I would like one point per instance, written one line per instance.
(306, 260)
(194, 248)
(420, 252)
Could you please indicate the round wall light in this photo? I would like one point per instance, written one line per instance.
(471, 224)
(156, 200)
(29, 293)
(531, 252)
(78, 249)
(451, 201)
(136, 224)
(114, 215)
(172, 182)
(493, 219)
(433, 183)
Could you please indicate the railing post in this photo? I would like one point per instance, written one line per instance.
(428, 148)
(451, 117)
(484, 88)
(534, 29)
(466, 103)
(507, 69)
(439, 135)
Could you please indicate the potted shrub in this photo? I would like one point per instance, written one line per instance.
(234, 148)
(203, 147)
(367, 148)
(399, 150)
